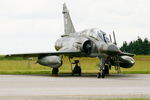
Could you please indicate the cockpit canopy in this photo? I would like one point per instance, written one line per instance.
(96, 34)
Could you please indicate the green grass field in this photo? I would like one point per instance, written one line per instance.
(89, 65)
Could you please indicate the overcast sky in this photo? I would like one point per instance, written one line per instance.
(35, 25)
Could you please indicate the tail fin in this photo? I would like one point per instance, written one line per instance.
(68, 26)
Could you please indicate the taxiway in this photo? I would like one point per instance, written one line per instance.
(44, 87)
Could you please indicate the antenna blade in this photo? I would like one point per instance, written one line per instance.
(114, 38)
(110, 38)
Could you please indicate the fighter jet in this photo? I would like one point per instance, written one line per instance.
(87, 43)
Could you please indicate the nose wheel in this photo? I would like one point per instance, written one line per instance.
(104, 69)
(101, 75)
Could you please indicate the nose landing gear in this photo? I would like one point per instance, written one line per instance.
(104, 69)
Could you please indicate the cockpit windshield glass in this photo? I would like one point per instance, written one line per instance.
(103, 36)
(107, 39)
(100, 34)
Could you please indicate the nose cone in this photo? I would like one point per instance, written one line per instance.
(127, 61)
(113, 49)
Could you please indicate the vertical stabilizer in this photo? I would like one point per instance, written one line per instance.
(68, 26)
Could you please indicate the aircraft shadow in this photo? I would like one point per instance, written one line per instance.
(86, 75)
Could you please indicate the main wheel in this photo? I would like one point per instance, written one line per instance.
(80, 72)
(98, 75)
(76, 70)
(103, 74)
(106, 71)
(55, 71)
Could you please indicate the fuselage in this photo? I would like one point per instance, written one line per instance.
(93, 43)
(98, 43)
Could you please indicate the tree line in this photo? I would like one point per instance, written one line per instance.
(138, 47)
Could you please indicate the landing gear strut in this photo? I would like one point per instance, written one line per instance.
(101, 74)
(76, 69)
(55, 71)
(104, 69)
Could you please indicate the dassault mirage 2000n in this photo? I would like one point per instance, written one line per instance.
(87, 43)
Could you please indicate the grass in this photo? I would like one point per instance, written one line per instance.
(142, 65)
(89, 65)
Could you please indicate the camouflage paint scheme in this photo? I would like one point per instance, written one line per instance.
(87, 43)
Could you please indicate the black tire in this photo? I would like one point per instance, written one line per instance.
(106, 71)
(79, 71)
(54, 71)
(103, 74)
(76, 70)
(98, 75)
(72, 74)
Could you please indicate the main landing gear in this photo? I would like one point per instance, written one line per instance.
(55, 71)
(104, 69)
(75, 67)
